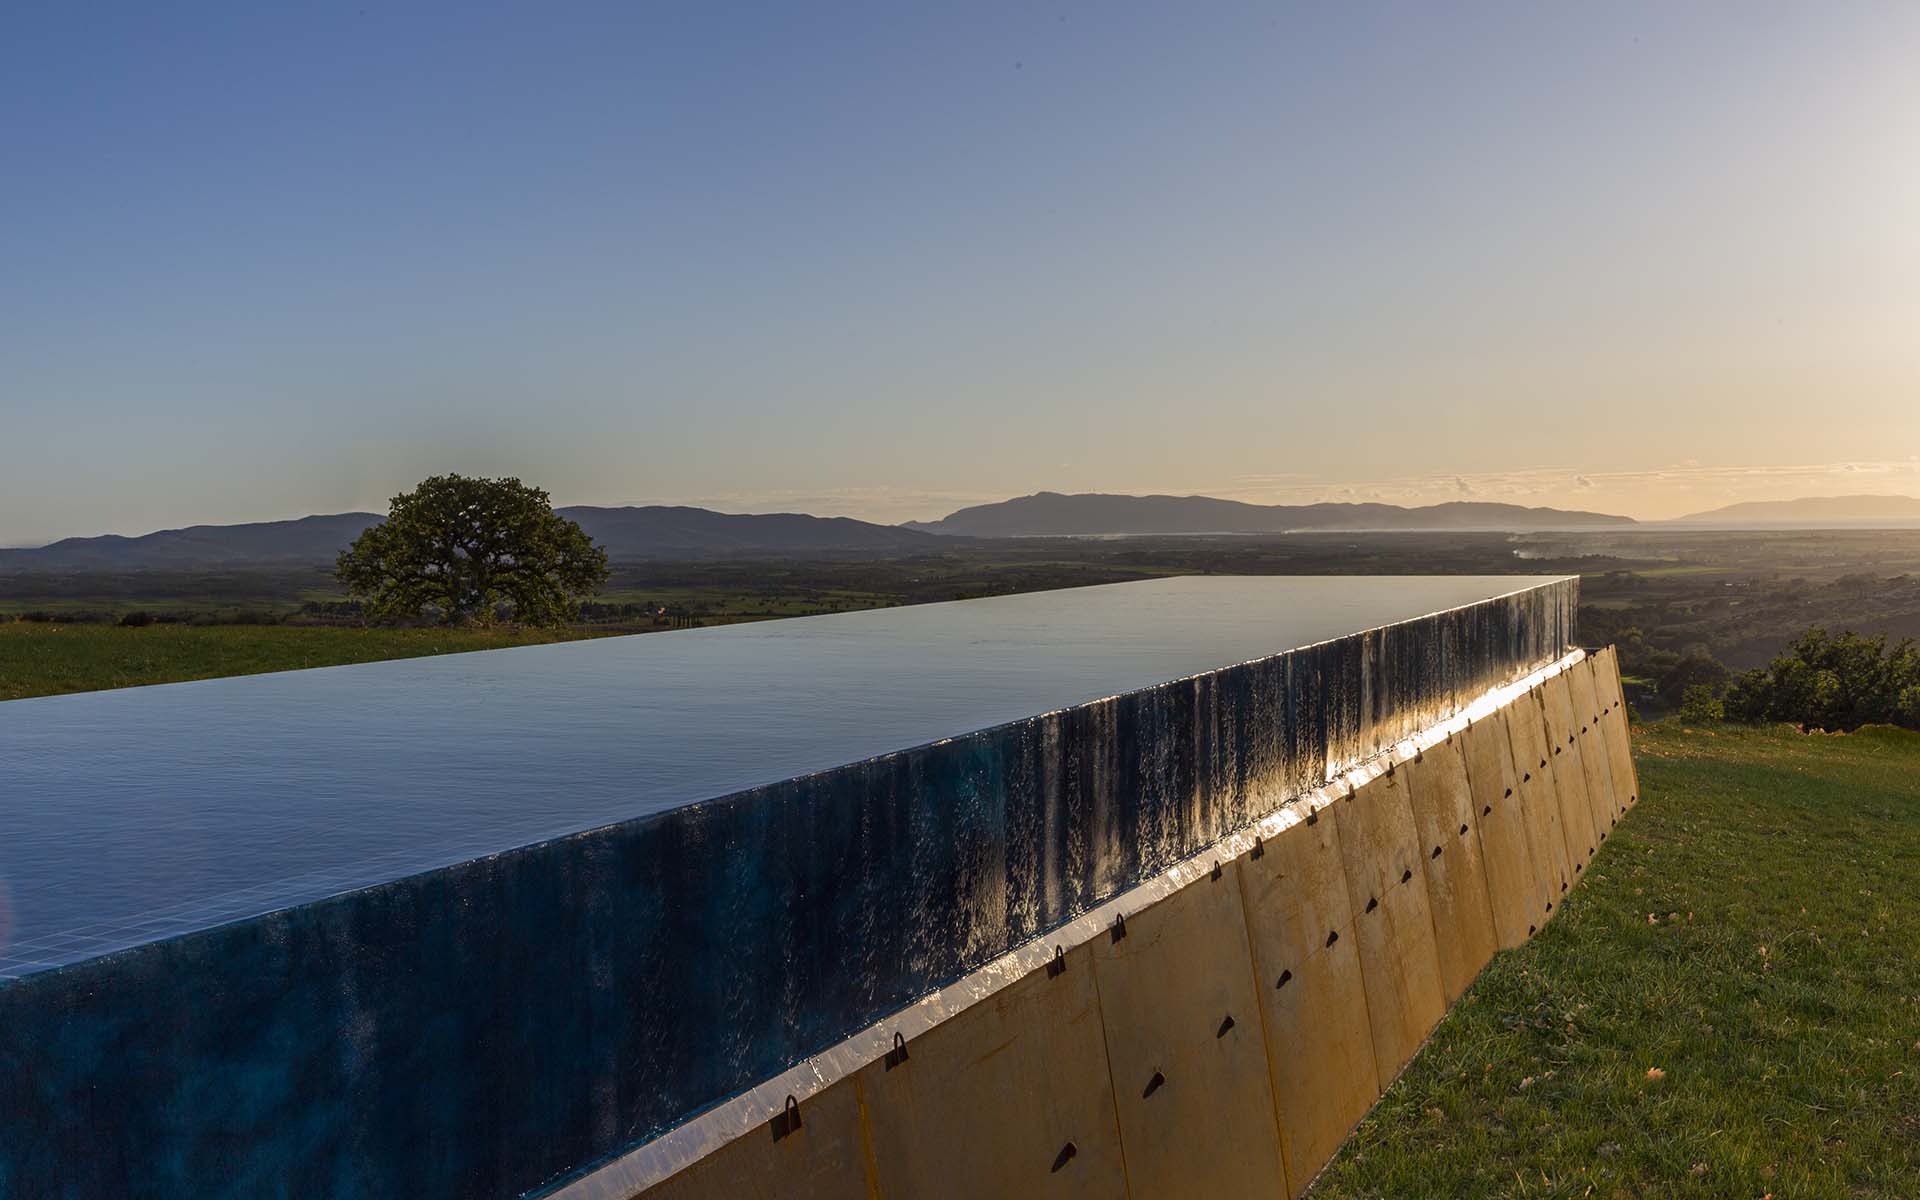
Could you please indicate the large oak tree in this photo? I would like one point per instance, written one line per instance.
(458, 549)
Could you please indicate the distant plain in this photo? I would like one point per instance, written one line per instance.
(1738, 595)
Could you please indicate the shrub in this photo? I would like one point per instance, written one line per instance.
(1701, 703)
(1750, 697)
(1907, 707)
(1696, 668)
(1824, 681)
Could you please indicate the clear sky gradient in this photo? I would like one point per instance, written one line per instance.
(259, 260)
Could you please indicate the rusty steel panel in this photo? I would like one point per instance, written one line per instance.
(1008, 1097)
(1393, 924)
(1456, 873)
(1184, 1045)
(1517, 885)
(1307, 970)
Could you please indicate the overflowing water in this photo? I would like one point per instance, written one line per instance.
(141, 813)
(457, 927)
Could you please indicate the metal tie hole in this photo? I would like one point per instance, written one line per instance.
(1065, 1156)
(1373, 902)
(788, 1120)
(1436, 852)
(1463, 831)
(1284, 977)
(1153, 1085)
(1406, 875)
(1226, 1027)
(1333, 936)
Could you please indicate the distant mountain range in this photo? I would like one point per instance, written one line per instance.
(661, 531)
(1047, 514)
(664, 531)
(1814, 508)
(676, 532)
(262, 543)
(652, 531)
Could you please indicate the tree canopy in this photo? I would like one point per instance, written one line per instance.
(460, 549)
(1824, 681)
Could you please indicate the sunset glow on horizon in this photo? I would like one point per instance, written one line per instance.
(852, 260)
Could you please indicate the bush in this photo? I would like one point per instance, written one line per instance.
(1828, 682)
(1750, 697)
(137, 619)
(78, 616)
(1701, 703)
(1696, 668)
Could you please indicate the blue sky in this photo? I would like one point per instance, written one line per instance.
(262, 260)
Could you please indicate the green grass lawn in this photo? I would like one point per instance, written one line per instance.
(43, 659)
(1728, 1006)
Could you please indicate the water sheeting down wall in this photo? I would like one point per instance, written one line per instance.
(486, 1028)
(1158, 1044)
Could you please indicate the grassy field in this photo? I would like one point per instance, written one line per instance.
(1729, 1005)
(45, 659)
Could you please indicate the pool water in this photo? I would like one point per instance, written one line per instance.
(133, 815)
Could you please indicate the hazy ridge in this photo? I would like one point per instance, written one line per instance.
(1094, 514)
(649, 531)
(1814, 508)
(659, 531)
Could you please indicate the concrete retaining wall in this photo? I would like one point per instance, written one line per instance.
(1220, 1028)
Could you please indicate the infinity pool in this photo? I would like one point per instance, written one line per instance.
(134, 815)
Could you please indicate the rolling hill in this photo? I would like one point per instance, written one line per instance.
(651, 531)
(262, 543)
(679, 532)
(1813, 508)
(1092, 514)
(662, 531)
